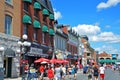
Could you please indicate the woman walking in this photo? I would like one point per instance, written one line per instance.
(50, 73)
(95, 72)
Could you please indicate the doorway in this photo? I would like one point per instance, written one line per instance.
(8, 66)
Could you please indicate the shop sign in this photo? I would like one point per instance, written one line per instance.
(34, 50)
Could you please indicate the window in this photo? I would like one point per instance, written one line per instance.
(8, 1)
(36, 13)
(43, 38)
(45, 2)
(8, 24)
(26, 7)
(88, 54)
(25, 30)
(35, 34)
(44, 19)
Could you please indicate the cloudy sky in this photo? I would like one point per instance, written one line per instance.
(98, 19)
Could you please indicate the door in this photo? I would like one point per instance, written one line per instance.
(9, 67)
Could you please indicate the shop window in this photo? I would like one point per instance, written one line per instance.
(8, 24)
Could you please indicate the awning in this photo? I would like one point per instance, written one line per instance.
(51, 16)
(36, 24)
(37, 5)
(45, 12)
(107, 61)
(51, 32)
(45, 28)
(29, 1)
(27, 19)
(9, 52)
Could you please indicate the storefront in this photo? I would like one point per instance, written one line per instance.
(36, 51)
(10, 58)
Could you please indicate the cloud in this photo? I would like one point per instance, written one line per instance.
(107, 26)
(108, 49)
(57, 14)
(85, 29)
(108, 4)
(95, 34)
(108, 37)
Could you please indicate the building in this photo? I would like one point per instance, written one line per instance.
(72, 46)
(35, 18)
(105, 58)
(61, 37)
(89, 55)
(9, 35)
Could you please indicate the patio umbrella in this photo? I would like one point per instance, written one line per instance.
(41, 60)
(56, 61)
(65, 62)
(53, 60)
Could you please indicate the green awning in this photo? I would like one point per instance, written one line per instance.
(36, 24)
(29, 1)
(45, 12)
(106, 61)
(45, 28)
(27, 19)
(51, 32)
(51, 16)
(37, 5)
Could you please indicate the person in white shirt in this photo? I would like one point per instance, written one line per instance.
(102, 72)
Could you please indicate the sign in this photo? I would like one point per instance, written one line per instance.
(34, 50)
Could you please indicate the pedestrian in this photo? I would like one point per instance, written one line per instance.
(26, 69)
(50, 73)
(63, 72)
(102, 72)
(41, 70)
(58, 70)
(95, 72)
(89, 72)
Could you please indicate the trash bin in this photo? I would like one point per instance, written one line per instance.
(1, 73)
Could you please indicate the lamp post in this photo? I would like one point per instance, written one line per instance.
(1, 63)
(24, 45)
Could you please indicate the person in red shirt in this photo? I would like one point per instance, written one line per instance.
(41, 69)
(50, 73)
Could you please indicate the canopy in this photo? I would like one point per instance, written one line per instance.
(41, 60)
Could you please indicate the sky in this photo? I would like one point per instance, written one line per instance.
(98, 19)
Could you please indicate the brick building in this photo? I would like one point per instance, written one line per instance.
(32, 17)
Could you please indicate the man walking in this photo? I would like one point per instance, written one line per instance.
(102, 72)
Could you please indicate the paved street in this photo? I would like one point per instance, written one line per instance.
(110, 75)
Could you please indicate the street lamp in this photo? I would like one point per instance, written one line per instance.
(24, 45)
(1, 63)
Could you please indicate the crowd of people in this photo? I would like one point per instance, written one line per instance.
(52, 72)
(60, 71)
(94, 71)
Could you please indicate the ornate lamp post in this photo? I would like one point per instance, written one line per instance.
(24, 46)
(1, 63)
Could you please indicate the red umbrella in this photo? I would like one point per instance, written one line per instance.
(42, 60)
(53, 60)
(65, 61)
(56, 61)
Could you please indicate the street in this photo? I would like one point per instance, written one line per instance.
(110, 75)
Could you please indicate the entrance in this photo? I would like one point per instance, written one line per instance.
(7, 67)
